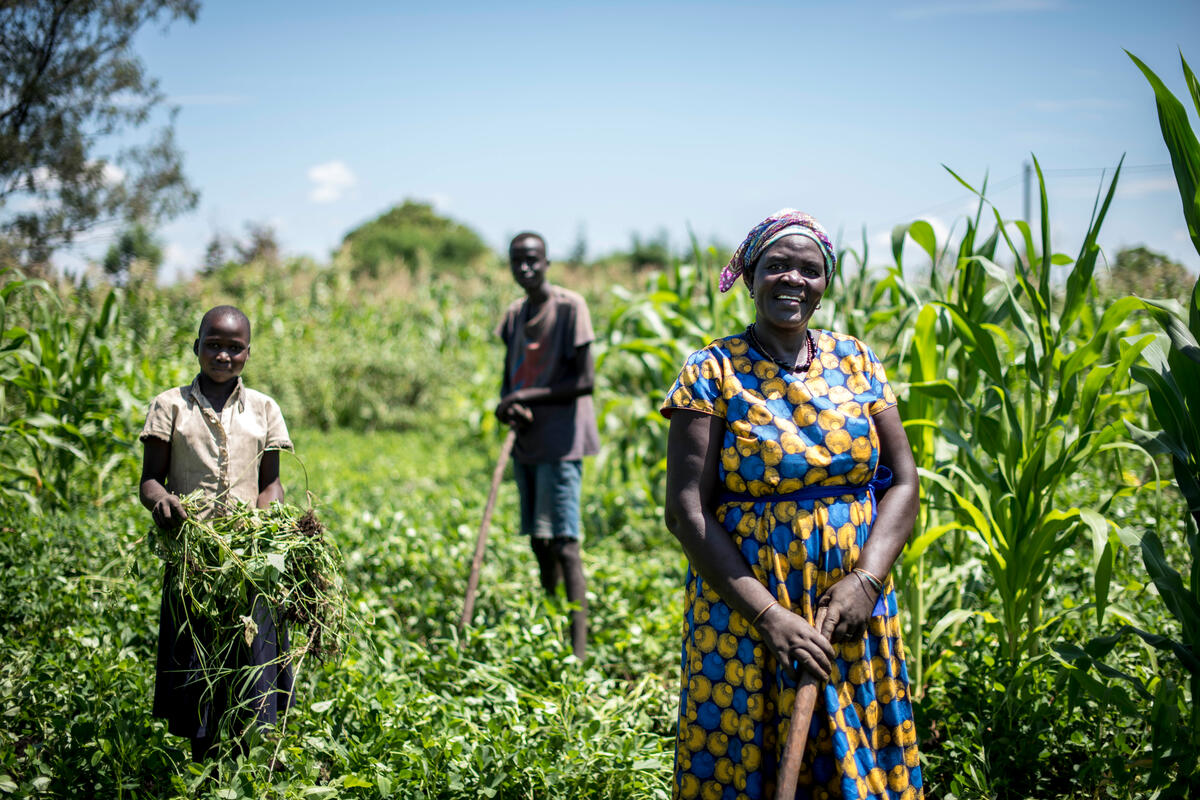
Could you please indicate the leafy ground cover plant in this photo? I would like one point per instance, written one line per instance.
(412, 710)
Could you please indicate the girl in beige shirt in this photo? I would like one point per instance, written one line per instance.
(218, 436)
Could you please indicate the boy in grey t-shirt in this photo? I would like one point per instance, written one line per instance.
(547, 395)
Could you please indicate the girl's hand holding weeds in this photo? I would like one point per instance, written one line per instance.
(168, 512)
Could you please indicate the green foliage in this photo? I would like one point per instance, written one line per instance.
(649, 251)
(1172, 379)
(1012, 374)
(73, 389)
(1031, 402)
(1181, 141)
(423, 361)
(1171, 376)
(413, 710)
(993, 729)
(135, 243)
(1141, 271)
(649, 336)
(68, 80)
(74, 659)
(415, 235)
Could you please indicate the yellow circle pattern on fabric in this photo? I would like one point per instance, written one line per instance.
(787, 431)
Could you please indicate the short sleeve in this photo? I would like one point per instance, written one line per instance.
(698, 387)
(160, 421)
(583, 325)
(277, 432)
(885, 397)
(502, 327)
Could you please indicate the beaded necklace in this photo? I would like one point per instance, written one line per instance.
(809, 346)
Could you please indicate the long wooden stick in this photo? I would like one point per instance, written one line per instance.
(793, 750)
(481, 539)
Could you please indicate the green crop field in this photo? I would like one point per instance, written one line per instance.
(1051, 589)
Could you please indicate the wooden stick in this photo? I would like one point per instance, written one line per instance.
(481, 539)
(797, 738)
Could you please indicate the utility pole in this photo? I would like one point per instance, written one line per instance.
(1027, 173)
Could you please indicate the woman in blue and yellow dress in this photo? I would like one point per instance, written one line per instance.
(780, 438)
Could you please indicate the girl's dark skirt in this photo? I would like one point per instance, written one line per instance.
(195, 704)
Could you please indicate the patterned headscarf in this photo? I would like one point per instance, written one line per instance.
(785, 222)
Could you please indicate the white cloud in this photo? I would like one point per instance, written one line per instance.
(881, 242)
(965, 7)
(441, 202)
(112, 174)
(330, 181)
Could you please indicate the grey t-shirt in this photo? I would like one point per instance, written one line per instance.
(541, 351)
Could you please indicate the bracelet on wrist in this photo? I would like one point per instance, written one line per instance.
(875, 582)
(765, 609)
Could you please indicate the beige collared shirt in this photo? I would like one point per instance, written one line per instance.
(218, 453)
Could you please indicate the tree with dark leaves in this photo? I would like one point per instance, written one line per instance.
(135, 243)
(1146, 273)
(70, 85)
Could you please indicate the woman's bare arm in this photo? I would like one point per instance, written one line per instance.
(693, 453)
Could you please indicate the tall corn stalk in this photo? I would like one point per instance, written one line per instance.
(1171, 375)
(921, 365)
(1027, 401)
(649, 336)
(71, 391)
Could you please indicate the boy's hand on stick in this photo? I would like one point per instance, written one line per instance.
(521, 415)
(514, 413)
(504, 409)
(168, 512)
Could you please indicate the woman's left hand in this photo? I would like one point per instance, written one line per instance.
(848, 605)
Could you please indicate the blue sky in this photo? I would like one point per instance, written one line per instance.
(621, 117)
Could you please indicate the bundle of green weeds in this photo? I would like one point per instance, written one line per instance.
(222, 567)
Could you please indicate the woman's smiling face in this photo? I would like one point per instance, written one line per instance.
(789, 280)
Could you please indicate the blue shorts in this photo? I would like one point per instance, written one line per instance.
(549, 498)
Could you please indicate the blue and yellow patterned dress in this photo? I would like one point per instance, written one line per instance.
(785, 435)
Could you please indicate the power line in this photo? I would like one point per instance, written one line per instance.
(957, 202)
(1027, 171)
(1107, 170)
(1012, 180)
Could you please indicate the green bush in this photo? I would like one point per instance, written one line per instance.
(412, 233)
